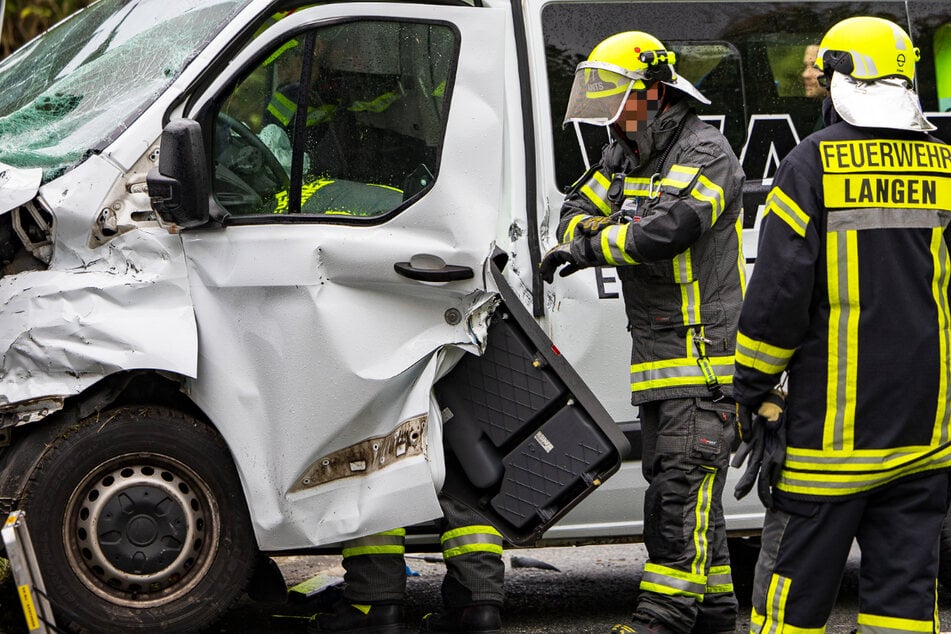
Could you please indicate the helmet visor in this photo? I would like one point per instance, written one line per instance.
(599, 92)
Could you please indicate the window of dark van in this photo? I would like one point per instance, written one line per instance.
(751, 59)
(342, 122)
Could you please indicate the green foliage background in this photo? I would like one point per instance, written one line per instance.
(25, 19)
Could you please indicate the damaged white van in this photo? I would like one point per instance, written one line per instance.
(231, 329)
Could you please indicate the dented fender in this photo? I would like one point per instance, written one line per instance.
(93, 312)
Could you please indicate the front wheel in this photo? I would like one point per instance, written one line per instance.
(139, 523)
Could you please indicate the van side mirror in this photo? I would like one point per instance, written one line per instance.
(178, 187)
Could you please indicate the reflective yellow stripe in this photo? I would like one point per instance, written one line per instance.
(636, 186)
(709, 192)
(701, 544)
(569, 234)
(680, 176)
(875, 624)
(282, 108)
(719, 580)
(740, 256)
(758, 622)
(612, 245)
(787, 210)
(672, 582)
(307, 190)
(939, 288)
(842, 279)
(776, 596)
(679, 372)
(596, 190)
(848, 478)
(760, 355)
(471, 539)
(377, 104)
(386, 543)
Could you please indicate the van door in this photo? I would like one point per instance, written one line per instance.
(357, 179)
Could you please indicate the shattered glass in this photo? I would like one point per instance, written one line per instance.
(73, 89)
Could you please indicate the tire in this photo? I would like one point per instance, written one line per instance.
(139, 524)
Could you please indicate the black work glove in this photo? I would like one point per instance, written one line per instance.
(556, 256)
(592, 225)
(764, 444)
(774, 454)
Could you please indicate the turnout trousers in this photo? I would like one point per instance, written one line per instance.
(375, 567)
(806, 545)
(687, 584)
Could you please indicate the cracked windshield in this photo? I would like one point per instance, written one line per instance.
(69, 93)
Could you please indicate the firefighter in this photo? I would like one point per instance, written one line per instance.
(850, 299)
(663, 206)
(375, 576)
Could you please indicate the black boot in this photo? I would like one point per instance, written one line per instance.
(351, 618)
(481, 619)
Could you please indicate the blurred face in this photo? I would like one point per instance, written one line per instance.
(640, 109)
(811, 74)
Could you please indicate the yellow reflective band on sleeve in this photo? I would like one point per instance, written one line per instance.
(612, 245)
(761, 356)
(471, 539)
(875, 624)
(569, 233)
(842, 270)
(887, 155)
(719, 580)
(939, 289)
(386, 543)
(709, 192)
(282, 108)
(672, 582)
(886, 191)
(680, 176)
(678, 373)
(596, 190)
(787, 210)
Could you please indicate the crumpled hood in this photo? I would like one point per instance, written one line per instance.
(17, 186)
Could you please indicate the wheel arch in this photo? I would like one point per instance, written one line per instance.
(28, 443)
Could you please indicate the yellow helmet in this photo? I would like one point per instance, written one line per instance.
(868, 48)
(632, 60)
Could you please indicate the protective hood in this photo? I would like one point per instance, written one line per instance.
(600, 91)
(884, 103)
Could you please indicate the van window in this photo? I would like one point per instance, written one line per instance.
(343, 121)
(748, 58)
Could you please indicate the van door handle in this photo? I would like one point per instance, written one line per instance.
(446, 273)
